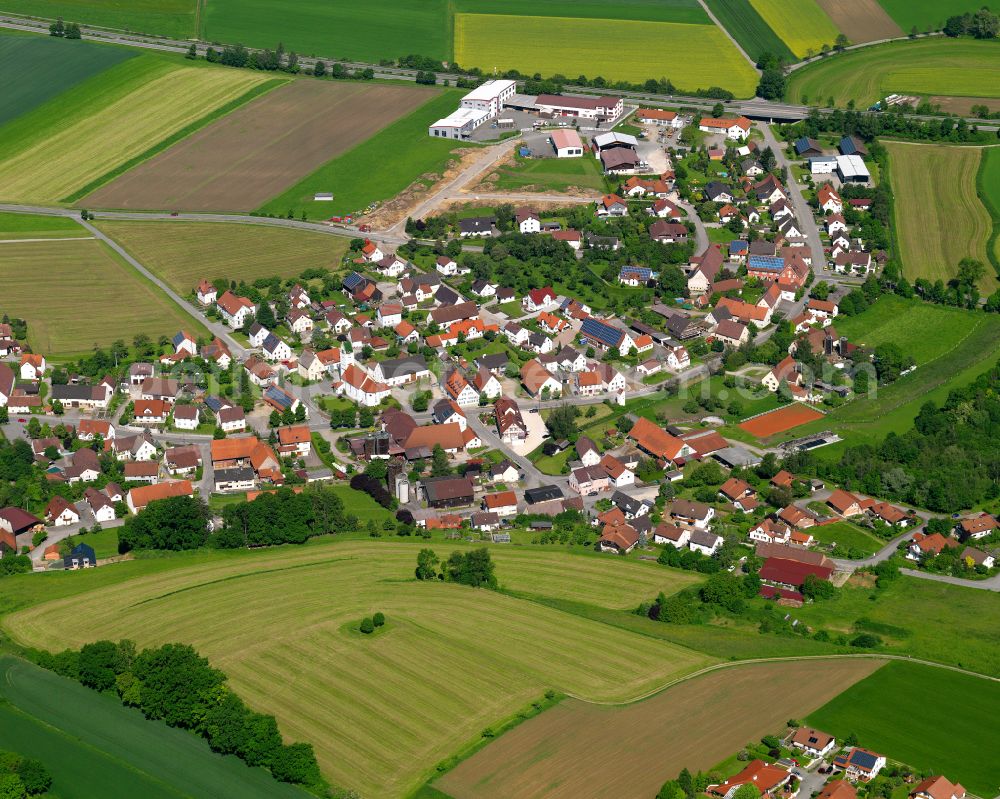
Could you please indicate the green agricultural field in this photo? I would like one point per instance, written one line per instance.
(988, 187)
(846, 535)
(648, 10)
(938, 66)
(36, 69)
(378, 169)
(549, 175)
(561, 45)
(91, 297)
(368, 31)
(31, 226)
(931, 736)
(183, 253)
(926, 15)
(745, 25)
(801, 24)
(165, 17)
(117, 115)
(382, 712)
(934, 237)
(97, 749)
(945, 623)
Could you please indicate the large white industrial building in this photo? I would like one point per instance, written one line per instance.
(482, 103)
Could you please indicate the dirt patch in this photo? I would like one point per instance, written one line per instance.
(862, 580)
(963, 105)
(242, 160)
(582, 750)
(861, 20)
(781, 420)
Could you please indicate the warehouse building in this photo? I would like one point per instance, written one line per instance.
(482, 103)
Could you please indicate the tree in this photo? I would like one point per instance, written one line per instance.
(439, 462)
(427, 560)
(841, 42)
(319, 69)
(97, 663)
(747, 791)
(296, 763)
(174, 523)
(73, 31)
(474, 568)
(367, 625)
(686, 783)
(815, 588)
(562, 422)
(11, 786)
(718, 110)
(34, 775)
(192, 52)
(772, 84)
(57, 28)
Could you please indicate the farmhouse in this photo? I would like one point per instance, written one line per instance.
(448, 492)
(845, 503)
(737, 129)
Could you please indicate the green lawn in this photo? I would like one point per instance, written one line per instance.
(166, 17)
(33, 226)
(948, 624)
(846, 535)
(924, 717)
(377, 169)
(649, 10)
(96, 748)
(550, 175)
(360, 504)
(926, 14)
(937, 66)
(105, 543)
(36, 69)
(746, 26)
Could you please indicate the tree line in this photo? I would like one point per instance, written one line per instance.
(175, 684)
(474, 568)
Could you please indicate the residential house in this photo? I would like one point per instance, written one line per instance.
(787, 371)
(692, 514)
(588, 480)
(207, 293)
(502, 504)
(539, 299)
(32, 366)
(860, 765)
(89, 429)
(486, 384)
(477, 226)
(666, 533)
(767, 779)
(295, 441)
(938, 787)
(459, 389)
(737, 128)
(60, 513)
(828, 199)
(370, 252)
(977, 527)
(234, 479)
(527, 220)
(446, 266)
(611, 205)
(138, 498)
(275, 349)
(845, 503)
(152, 412)
(184, 342)
(923, 545)
(740, 493)
(142, 472)
(217, 352)
(731, 333)
(100, 505)
(235, 311)
(510, 423)
(82, 556)
(812, 741)
(537, 380)
(704, 541)
(357, 385)
(300, 322)
(186, 417)
(668, 232)
(184, 460)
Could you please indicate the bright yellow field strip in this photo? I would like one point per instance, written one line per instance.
(69, 158)
(381, 711)
(691, 56)
(940, 217)
(801, 24)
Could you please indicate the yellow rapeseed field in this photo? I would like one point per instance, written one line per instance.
(64, 159)
(801, 24)
(691, 56)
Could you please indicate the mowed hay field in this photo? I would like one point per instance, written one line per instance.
(182, 253)
(75, 294)
(368, 31)
(749, 29)
(256, 152)
(635, 748)
(119, 114)
(382, 711)
(650, 10)
(30, 226)
(939, 217)
(932, 737)
(36, 69)
(801, 24)
(642, 50)
(166, 17)
(928, 15)
(861, 20)
(988, 185)
(938, 66)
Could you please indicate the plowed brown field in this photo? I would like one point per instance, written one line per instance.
(861, 20)
(259, 150)
(578, 750)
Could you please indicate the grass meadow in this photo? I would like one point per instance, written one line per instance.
(116, 115)
(938, 66)
(381, 712)
(31, 226)
(935, 236)
(570, 46)
(926, 14)
(846, 535)
(165, 17)
(988, 187)
(377, 169)
(97, 749)
(368, 31)
(182, 253)
(90, 297)
(36, 69)
(550, 174)
(688, 11)
(800, 24)
(745, 25)
(542, 756)
(885, 711)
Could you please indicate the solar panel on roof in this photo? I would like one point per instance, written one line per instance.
(604, 333)
(865, 760)
(769, 262)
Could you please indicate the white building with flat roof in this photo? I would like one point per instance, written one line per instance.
(459, 124)
(852, 169)
(490, 96)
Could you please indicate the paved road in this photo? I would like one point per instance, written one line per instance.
(700, 233)
(532, 476)
(989, 584)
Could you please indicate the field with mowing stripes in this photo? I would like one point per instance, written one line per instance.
(55, 150)
(244, 159)
(552, 45)
(801, 24)
(935, 236)
(382, 711)
(90, 296)
(689, 11)
(746, 26)
(36, 69)
(165, 17)
(182, 253)
(542, 756)
(939, 66)
(933, 739)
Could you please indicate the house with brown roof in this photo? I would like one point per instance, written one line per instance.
(448, 436)
(503, 503)
(588, 480)
(142, 472)
(691, 514)
(138, 498)
(923, 545)
(59, 512)
(977, 527)
(295, 441)
(510, 423)
(838, 789)
(845, 503)
(812, 741)
(657, 442)
(740, 493)
(618, 538)
(938, 787)
(766, 778)
(537, 380)
(448, 492)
